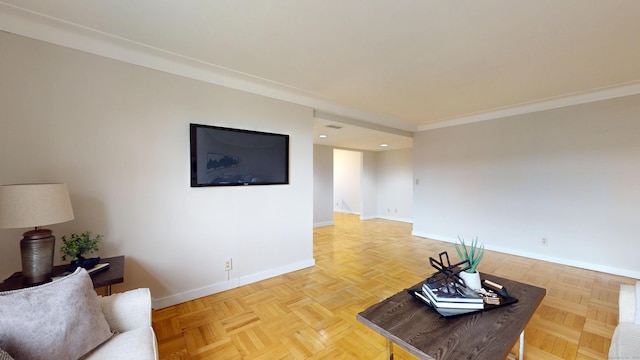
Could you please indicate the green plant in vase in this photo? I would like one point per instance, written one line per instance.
(76, 246)
(472, 253)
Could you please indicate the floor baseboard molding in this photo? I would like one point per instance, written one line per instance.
(325, 223)
(395, 218)
(347, 212)
(229, 284)
(551, 259)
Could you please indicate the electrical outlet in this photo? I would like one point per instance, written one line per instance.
(228, 264)
(544, 241)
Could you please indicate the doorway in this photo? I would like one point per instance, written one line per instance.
(347, 181)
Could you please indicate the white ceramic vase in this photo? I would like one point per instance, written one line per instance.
(472, 280)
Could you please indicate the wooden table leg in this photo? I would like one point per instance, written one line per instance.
(389, 350)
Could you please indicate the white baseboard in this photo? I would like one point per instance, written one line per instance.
(321, 224)
(347, 212)
(551, 259)
(250, 279)
(229, 284)
(368, 217)
(392, 218)
(371, 217)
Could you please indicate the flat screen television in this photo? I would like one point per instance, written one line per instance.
(230, 157)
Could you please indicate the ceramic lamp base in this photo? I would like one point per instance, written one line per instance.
(37, 247)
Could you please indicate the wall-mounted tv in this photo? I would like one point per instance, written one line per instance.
(229, 157)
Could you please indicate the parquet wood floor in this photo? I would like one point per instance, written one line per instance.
(311, 313)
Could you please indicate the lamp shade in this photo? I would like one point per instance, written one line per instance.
(34, 205)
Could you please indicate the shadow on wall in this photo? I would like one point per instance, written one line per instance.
(343, 207)
(136, 275)
(90, 215)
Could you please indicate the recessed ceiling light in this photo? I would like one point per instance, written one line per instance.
(322, 136)
(384, 145)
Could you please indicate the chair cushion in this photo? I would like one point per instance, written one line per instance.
(134, 344)
(627, 303)
(625, 343)
(58, 320)
(128, 310)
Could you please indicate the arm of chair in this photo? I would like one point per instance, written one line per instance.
(128, 310)
(627, 303)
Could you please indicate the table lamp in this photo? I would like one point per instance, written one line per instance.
(35, 205)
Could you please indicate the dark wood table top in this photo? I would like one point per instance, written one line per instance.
(112, 275)
(490, 335)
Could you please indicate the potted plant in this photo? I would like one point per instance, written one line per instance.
(75, 246)
(472, 253)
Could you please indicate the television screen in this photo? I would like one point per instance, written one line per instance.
(227, 157)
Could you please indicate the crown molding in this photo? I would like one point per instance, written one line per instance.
(611, 92)
(29, 24)
(37, 26)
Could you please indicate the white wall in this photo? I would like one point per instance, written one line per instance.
(395, 185)
(385, 183)
(118, 135)
(322, 185)
(567, 174)
(347, 175)
(368, 185)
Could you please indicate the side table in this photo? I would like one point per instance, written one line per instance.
(114, 274)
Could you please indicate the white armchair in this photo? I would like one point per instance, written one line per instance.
(129, 317)
(625, 343)
(65, 319)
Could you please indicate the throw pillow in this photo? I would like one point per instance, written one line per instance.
(4, 355)
(58, 320)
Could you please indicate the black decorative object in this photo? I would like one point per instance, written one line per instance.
(446, 273)
(447, 294)
(83, 263)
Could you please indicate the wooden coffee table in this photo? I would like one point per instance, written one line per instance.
(406, 322)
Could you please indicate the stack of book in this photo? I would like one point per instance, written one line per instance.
(451, 297)
(447, 294)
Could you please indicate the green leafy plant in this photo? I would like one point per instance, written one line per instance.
(473, 253)
(75, 246)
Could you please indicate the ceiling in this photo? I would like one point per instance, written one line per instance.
(336, 131)
(409, 65)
